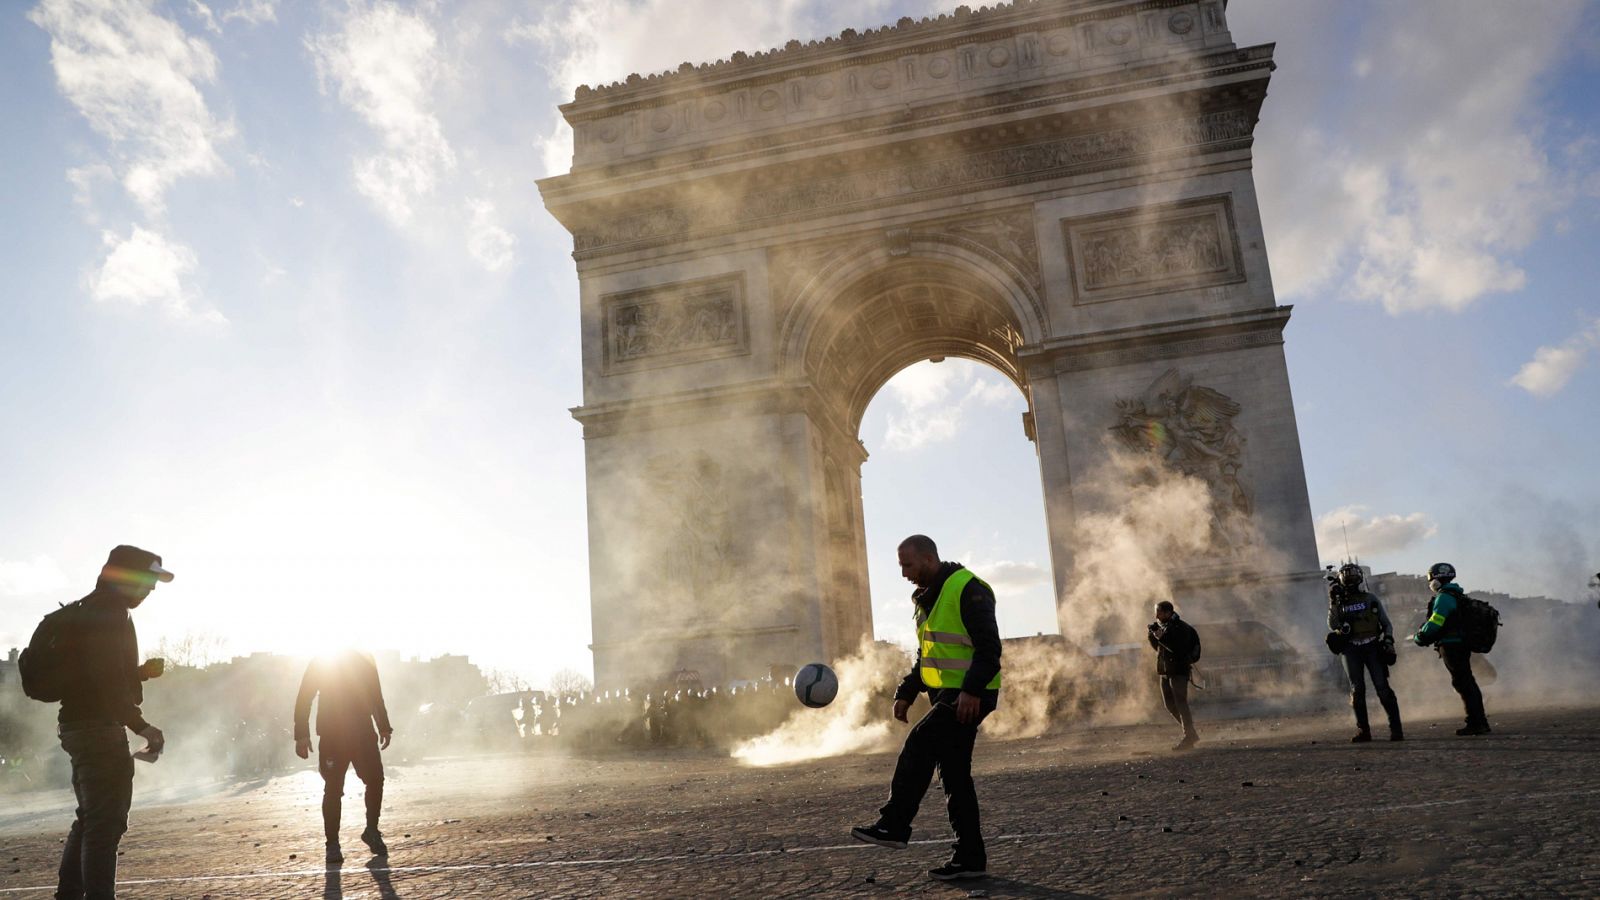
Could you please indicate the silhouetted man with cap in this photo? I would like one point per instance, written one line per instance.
(351, 702)
(101, 692)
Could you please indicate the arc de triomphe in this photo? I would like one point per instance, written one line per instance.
(1060, 189)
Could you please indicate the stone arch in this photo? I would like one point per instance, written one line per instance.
(908, 311)
(836, 289)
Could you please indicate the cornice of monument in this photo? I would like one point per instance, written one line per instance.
(963, 25)
(694, 404)
(761, 102)
(1200, 71)
(1162, 340)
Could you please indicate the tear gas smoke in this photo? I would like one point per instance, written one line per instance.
(857, 721)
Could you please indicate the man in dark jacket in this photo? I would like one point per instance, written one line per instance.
(1443, 628)
(351, 701)
(101, 693)
(958, 665)
(1177, 646)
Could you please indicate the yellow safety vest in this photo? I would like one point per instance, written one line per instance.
(942, 637)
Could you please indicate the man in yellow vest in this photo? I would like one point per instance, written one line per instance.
(958, 664)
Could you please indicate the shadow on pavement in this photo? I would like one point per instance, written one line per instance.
(997, 887)
(379, 867)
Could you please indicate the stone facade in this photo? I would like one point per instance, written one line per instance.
(1058, 188)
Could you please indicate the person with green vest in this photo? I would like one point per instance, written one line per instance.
(958, 665)
(1367, 639)
(1443, 630)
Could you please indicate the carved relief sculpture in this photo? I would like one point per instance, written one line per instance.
(1190, 428)
(675, 323)
(1167, 250)
(1176, 247)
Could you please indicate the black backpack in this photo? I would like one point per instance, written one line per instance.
(43, 664)
(1480, 623)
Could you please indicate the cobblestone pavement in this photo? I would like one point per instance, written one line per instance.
(1266, 808)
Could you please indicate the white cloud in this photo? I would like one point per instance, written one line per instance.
(1419, 198)
(384, 64)
(488, 243)
(600, 41)
(252, 12)
(136, 77)
(931, 400)
(83, 180)
(148, 268)
(21, 578)
(1349, 530)
(1553, 366)
(1009, 575)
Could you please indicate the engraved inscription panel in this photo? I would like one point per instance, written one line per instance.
(677, 323)
(1154, 250)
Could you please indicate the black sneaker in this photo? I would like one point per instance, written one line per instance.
(374, 841)
(1189, 740)
(1473, 729)
(332, 855)
(883, 837)
(1397, 735)
(953, 871)
(1362, 737)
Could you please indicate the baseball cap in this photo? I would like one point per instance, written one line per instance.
(127, 563)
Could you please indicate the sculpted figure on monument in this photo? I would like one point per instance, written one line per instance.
(1190, 427)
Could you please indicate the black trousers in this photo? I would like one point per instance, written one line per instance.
(102, 780)
(335, 757)
(938, 740)
(1175, 695)
(1360, 661)
(1458, 662)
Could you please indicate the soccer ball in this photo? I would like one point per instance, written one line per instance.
(816, 685)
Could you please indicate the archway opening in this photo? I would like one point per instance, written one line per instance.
(931, 347)
(948, 457)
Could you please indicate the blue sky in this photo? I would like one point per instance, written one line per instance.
(281, 303)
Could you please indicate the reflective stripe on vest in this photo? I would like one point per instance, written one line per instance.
(942, 637)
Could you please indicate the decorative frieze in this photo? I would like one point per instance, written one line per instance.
(675, 323)
(1153, 250)
(967, 171)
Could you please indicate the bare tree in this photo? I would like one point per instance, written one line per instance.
(504, 681)
(192, 649)
(569, 681)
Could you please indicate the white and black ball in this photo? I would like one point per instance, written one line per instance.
(816, 685)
